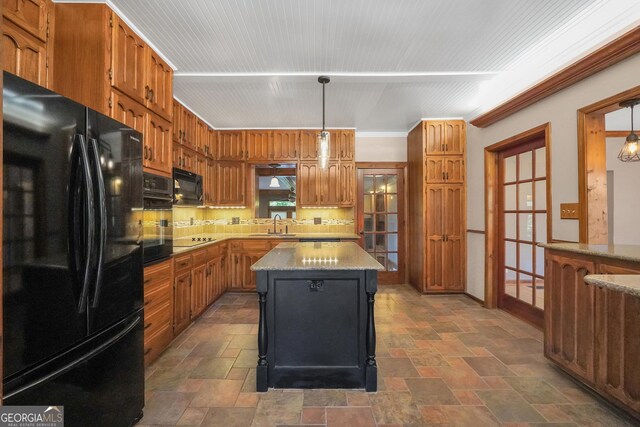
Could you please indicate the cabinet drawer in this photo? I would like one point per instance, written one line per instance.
(156, 293)
(258, 245)
(200, 257)
(156, 343)
(183, 262)
(156, 272)
(154, 320)
(216, 250)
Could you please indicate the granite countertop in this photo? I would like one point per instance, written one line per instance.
(626, 283)
(317, 256)
(620, 252)
(217, 238)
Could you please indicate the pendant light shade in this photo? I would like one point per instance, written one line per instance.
(324, 137)
(275, 182)
(630, 151)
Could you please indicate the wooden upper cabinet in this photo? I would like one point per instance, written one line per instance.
(159, 86)
(308, 184)
(202, 136)
(230, 183)
(210, 183)
(127, 111)
(177, 121)
(128, 61)
(308, 145)
(347, 145)
(330, 185)
(435, 137)
(445, 170)
(347, 183)
(30, 15)
(231, 145)
(285, 145)
(212, 143)
(189, 129)
(259, 145)
(23, 54)
(455, 137)
(157, 139)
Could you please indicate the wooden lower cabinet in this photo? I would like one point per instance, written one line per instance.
(198, 291)
(158, 309)
(243, 254)
(590, 332)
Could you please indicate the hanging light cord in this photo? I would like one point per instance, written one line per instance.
(323, 106)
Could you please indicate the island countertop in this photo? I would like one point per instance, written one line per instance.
(317, 256)
(620, 252)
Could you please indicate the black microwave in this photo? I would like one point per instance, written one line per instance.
(187, 188)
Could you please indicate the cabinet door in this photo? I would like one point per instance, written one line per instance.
(231, 145)
(249, 277)
(435, 137)
(285, 145)
(435, 170)
(189, 129)
(159, 87)
(454, 170)
(330, 186)
(230, 183)
(308, 184)
(236, 272)
(198, 290)
(347, 145)
(177, 121)
(201, 168)
(308, 145)
(259, 145)
(435, 196)
(189, 160)
(454, 266)
(181, 301)
(23, 54)
(128, 61)
(455, 137)
(157, 138)
(201, 135)
(347, 183)
(177, 155)
(30, 15)
(212, 143)
(209, 183)
(127, 111)
(209, 279)
(569, 314)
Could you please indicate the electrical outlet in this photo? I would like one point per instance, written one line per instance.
(317, 220)
(235, 220)
(192, 221)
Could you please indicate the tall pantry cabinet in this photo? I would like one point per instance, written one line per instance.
(437, 206)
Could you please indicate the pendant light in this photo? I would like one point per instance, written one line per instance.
(275, 182)
(324, 138)
(630, 150)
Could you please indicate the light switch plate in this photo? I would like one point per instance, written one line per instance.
(569, 211)
(235, 220)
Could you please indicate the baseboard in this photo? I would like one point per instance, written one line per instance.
(476, 299)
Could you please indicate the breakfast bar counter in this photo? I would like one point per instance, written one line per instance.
(317, 327)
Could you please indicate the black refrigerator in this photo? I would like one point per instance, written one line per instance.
(72, 258)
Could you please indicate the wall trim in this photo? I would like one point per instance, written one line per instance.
(472, 231)
(611, 53)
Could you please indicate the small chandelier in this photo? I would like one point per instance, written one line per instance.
(630, 150)
(324, 138)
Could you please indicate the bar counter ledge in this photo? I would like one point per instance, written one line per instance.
(317, 327)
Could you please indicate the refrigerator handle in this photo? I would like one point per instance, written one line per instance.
(88, 355)
(80, 146)
(102, 219)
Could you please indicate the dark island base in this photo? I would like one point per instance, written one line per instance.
(316, 330)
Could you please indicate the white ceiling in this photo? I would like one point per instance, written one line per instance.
(254, 63)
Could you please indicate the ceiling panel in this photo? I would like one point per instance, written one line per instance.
(464, 56)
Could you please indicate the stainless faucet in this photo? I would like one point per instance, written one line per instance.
(275, 217)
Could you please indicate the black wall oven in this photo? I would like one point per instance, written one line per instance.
(158, 217)
(187, 188)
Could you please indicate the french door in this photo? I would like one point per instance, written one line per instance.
(523, 218)
(380, 215)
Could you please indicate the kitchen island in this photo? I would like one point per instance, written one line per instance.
(317, 327)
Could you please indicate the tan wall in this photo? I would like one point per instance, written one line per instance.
(559, 109)
(381, 148)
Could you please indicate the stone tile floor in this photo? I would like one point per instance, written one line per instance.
(443, 360)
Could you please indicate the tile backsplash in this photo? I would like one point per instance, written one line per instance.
(188, 221)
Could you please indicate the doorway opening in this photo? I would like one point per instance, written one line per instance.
(518, 206)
